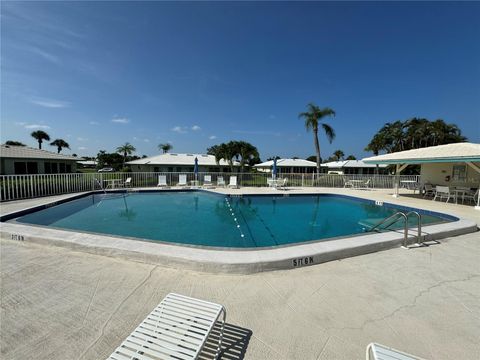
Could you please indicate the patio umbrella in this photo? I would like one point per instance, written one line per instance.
(274, 169)
(195, 169)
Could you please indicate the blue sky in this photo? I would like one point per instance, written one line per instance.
(99, 74)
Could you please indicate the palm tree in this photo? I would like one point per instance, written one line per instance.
(14, 143)
(246, 151)
(126, 149)
(60, 144)
(40, 135)
(165, 147)
(339, 154)
(312, 120)
(351, 157)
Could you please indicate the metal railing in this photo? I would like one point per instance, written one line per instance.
(402, 216)
(15, 187)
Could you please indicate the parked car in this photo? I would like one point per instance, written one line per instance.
(106, 169)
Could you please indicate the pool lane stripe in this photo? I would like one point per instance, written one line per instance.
(245, 221)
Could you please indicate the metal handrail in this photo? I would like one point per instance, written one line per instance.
(405, 228)
(419, 225)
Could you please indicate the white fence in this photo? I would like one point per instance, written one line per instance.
(14, 187)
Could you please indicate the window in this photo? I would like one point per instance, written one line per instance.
(48, 168)
(156, 169)
(62, 168)
(20, 168)
(459, 173)
(32, 168)
(54, 168)
(69, 168)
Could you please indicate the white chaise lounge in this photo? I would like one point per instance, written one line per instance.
(381, 352)
(162, 181)
(233, 182)
(442, 192)
(207, 181)
(177, 328)
(220, 181)
(182, 180)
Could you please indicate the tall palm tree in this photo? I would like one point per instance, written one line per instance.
(246, 151)
(313, 116)
(165, 147)
(339, 154)
(40, 135)
(60, 144)
(126, 149)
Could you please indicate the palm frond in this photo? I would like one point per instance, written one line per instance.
(329, 132)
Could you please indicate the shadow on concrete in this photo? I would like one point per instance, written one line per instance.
(234, 344)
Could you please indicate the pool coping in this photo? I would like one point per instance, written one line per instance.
(234, 261)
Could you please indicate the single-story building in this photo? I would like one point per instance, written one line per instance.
(449, 165)
(88, 164)
(353, 167)
(171, 162)
(21, 160)
(288, 166)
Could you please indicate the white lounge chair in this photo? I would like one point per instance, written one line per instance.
(282, 183)
(233, 182)
(382, 352)
(182, 180)
(207, 181)
(177, 328)
(442, 192)
(128, 182)
(220, 181)
(162, 181)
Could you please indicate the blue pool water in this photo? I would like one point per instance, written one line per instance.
(201, 218)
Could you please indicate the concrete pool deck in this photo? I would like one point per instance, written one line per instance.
(58, 303)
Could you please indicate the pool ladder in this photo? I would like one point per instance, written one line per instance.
(404, 216)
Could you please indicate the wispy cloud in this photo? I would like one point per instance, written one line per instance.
(94, 123)
(50, 103)
(81, 139)
(82, 148)
(20, 123)
(120, 120)
(146, 140)
(36, 126)
(196, 128)
(179, 129)
(212, 137)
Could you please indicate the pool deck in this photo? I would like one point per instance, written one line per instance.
(58, 303)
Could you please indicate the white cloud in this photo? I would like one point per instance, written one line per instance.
(20, 123)
(212, 137)
(196, 128)
(94, 123)
(179, 129)
(49, 103)
(36, 126)
(146, 140)
(81, 139)
(82, 148)
(119, 120)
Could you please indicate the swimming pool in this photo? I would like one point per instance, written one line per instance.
(212, 220)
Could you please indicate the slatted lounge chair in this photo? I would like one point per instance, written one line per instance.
(207, 181)
(182, 180)
(442, 192)
(233, 182)
(220, 181)
(282, 183)
(162, 181)
(128, 182)
(382, 352)
(177, 328)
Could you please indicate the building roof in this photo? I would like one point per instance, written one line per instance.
(287, 163)
(349, 164)
(26, 152)
(180, 159)
(457, 152)
(88, 162)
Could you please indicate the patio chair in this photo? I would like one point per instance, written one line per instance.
(220, 181)
(428, 190)
(182, 180)
(382, 352)
(282, 183)
(233, 182)
(471, 195)
(162, 181)
(366, 185)
(207, 181)
(128, 182)
(177, 328)
(442, 192)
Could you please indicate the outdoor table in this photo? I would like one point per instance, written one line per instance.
(111, 183)
(458, 192)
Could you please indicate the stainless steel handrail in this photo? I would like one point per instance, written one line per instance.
(419, 225)
(397, 214)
